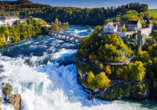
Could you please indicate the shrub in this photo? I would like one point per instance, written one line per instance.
(89, 29)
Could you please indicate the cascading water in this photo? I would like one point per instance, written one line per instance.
(36, 69)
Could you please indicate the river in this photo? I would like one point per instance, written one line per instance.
(43, 71)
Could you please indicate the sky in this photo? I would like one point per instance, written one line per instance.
(94, 3)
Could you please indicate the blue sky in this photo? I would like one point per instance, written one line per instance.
(95, 3)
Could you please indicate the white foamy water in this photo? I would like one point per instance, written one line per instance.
(52, 86)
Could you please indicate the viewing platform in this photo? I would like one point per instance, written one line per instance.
(65, 36)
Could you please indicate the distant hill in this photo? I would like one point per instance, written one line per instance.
(3, 3)
(153, 12)
(87, 16)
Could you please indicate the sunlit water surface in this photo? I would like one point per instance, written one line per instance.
(43, 71)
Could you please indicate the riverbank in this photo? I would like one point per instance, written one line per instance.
(22, 30)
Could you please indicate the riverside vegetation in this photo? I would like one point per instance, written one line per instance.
(21, 31)
(136, 80)
(86, 16)
(29, 28)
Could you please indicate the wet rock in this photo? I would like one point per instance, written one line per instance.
(14, 99)
(7, 91)
(1, 100)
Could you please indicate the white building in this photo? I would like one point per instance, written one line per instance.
(4, 20)
(131, 26)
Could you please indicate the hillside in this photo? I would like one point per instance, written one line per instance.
(101, 72)
(84, 16)
(18, 2)
(153, 12)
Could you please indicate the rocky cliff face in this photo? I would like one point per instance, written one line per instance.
(14, 99)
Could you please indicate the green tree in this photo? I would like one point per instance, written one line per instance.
(108, 70)
(98, 29)
(65, 26)
(2, 40)
(17, 22)
(124, 29)
(102, 80)
(151, 42)
(45, 30)
(91, 77)
(143, 24)
(56, 21)
(137, 71)
(101, 66)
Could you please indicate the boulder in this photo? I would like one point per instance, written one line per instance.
(7, 91)
(15, 100)
(1, 101)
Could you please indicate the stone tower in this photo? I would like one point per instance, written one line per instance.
(139, 39)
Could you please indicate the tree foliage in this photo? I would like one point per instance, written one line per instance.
(137, 71)
(91, 77)
(86, 16)
(143, 24)
(102, 80)
(21, 31)
(108, 70)
(124, 29)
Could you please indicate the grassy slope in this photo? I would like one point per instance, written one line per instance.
(153, 12)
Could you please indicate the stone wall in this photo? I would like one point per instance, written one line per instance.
(123, 34)
(146, 31)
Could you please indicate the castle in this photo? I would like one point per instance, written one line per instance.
(132, 27)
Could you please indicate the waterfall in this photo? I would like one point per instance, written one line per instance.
(7, 106)
(36, 70)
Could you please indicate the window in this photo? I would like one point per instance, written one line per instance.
(108, 29)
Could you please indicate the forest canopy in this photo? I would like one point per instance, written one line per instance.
(86, 16)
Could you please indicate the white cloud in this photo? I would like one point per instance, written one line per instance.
(106, 3)
(87, 2)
